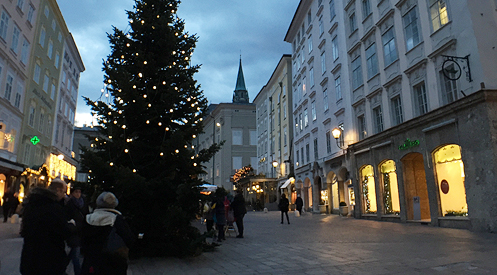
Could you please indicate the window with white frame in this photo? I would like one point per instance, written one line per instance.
(397, 114)
(352, 23)
(8, 87)
(304, 86)
(377, 119)
(307, 153)
(313, 110)
(50, 49)
(412, 35)
(323, 63)
(54, 25)
(389, 48)
(302, 155)
(60, 37)
(284, 111)
(306, 118)
(41, 122)
(253, 137)
(237, 136)
(325, 100)
(46, 83)
(311, 77)
(321, 27)
(36, 75)
(285, 137)
(237, 163)
(438, 13)
(31, 120)
(57, 60)
(420, 99)
(27, 152)
(20, 4)
(356, 73)
(25, 51)
(4, 25)
(366, 8)
(338, 89)
(52, 92)
(332, 9)
(31, 13)
(47, 11)
(372, 60)
(316, 154)
(48, 129)
(309, 18)
(15, 39)
(334, 48)
(309, 43)
(301, 122)
(297, 158)
(43, 33)
(328, 142)
(17, 101)
(296, 125)
(449, 86)
(361, 127)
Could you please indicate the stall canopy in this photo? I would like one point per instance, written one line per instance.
(208, 188)
(285, 185)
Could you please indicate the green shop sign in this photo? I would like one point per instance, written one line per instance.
(409, 144)
(35, 140)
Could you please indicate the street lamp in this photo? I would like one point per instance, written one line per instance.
(337, 133)
(275, 163)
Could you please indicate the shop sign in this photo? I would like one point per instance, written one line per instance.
(35, 140)
(409, 144)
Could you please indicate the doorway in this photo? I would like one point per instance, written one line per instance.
(417, 202)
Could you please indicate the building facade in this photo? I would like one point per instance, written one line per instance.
(81, 135)
(410, 75)
(17, 28)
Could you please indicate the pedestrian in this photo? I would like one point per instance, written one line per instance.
(239, 211)
(8, 204)
(44, 229)
(220, 215)
(283, 205)
(76, 209)
(209, 215)
(98, 230)
(299, 203)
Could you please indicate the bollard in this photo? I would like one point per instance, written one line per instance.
(265, 209)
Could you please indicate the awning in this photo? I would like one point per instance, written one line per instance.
(11, 165)
(208, 187)
(285, 185)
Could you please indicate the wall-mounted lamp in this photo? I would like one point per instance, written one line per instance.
(337, 133)
(275, 163)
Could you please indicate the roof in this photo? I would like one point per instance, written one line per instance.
(240, 80)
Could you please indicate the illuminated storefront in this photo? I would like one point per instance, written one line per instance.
(60, 168)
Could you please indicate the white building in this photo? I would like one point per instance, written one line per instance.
(388, 73)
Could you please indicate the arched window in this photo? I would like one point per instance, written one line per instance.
(391, 204)
(368, 189)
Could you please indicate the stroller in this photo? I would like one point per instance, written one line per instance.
(230, 227)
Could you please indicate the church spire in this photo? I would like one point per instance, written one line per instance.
(240, 95)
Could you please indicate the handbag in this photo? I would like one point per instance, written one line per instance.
(115, 245)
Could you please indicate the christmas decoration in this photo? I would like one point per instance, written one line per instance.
(150, 112)
(387, 198)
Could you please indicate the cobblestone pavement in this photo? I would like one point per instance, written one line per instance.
(318, 244)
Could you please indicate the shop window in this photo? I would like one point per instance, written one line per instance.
(450, 178)
(334, 192)
(391, 203)
(368, 189)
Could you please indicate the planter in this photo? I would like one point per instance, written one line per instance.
(344, 211)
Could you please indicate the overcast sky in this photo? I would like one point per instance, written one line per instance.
(256, 28)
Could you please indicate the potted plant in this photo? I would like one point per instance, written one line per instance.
(344, 209)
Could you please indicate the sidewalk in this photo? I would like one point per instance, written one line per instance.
(318, 244)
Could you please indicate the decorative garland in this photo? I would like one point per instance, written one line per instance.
(387, 198)
(365, 192)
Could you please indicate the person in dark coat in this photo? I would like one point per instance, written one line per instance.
(283, 205)
(299, 203)
(96, 229)
(44, 229)
(9, 205)
(220, 216)
(76, 209)
(239, 211)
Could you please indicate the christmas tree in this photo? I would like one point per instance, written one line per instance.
(150, 116)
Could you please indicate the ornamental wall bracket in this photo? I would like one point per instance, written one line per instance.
(452, 70)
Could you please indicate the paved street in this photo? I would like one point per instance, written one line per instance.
(318, 244)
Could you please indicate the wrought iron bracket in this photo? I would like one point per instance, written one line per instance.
(454, 60)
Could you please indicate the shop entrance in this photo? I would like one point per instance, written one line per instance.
(418, 206)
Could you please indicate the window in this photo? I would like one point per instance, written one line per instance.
(36, 76)
(420, 101)
(338, 89)
(366, 8)
(332, 9)
(297, 158)
(307, 153)
(284, 136)
(378, 119)
(309, 44)
(17, 101)
(296, 125)
(237, 163)
(50, 49)
(27, 149)
(60, 37)
(449, 87)
(361, 127)
(389, 49)
(253, 137)
(31, 13)
(313, 110)
(302, 155)
(42, 37)
(352, 23)
(438, 13)
(41, 123)
(309, 18)
(4, 25)
(411, 29)
(52, 92)
(54, 25)
(20, 4)
(47, 11)
(396, 104)
(46, 83)
(57, 132)
(316, 155)
(304, 90)
(31, 120)
(328, 142)
(323, 63)
(25, 52)
(371, 60)
(306, 118)
(8, 87)
(301, 122)
(334, 48)
(57, 60)
(237, 136)
(15, 39)
(311, 76)
(284, 111)
(48, 129)
(321, 27)
(356, 73)
(325, 100)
